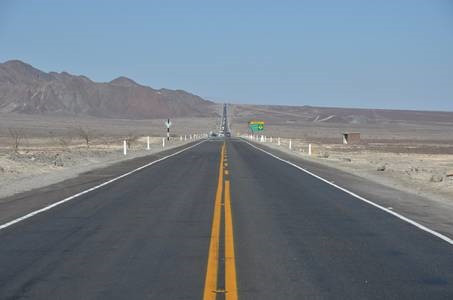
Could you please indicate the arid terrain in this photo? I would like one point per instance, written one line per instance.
(410, 152)
(38, 150)
(57, 125)
(54, 125)
(25, 89)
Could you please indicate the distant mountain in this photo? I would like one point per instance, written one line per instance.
(336, 115)
(25, 89)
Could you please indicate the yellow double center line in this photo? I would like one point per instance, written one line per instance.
(211, 288)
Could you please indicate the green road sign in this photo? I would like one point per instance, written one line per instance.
(256, 126)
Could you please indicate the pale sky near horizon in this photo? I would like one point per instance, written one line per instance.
(379, 54)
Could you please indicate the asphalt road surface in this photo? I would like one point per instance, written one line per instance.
(221, 220)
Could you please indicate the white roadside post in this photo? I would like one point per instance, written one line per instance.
(278, 141)
(124, 147)
(180, 137)
(168, 124)
(270, 139)
(290, 144)
(163, 142)
(309, 149)
(147, 143)
(185, 137)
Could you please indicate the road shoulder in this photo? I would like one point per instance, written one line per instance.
(20, 204)
(433, 213)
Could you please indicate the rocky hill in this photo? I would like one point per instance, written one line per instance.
(25, 89)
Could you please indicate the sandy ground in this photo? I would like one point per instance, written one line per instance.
(412, 156)
(423, 169)
(41, 165)
(292, 124)
(417, 158)
(52, 149)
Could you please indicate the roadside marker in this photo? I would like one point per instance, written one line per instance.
(168, 124)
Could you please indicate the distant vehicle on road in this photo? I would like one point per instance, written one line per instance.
(221, 134)
(228, 134)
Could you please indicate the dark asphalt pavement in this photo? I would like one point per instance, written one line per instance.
(147, 236)
(143, 237)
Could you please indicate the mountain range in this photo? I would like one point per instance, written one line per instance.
(25, 89)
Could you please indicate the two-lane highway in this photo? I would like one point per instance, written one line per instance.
(221, 220)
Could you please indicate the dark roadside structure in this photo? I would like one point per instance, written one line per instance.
(351, 138)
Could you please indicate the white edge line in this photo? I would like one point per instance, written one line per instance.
(412, 222)
(33, 213)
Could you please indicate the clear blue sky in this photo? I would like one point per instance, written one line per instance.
(383, 54)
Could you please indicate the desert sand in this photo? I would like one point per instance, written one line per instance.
(424, 169)
(37, 151)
